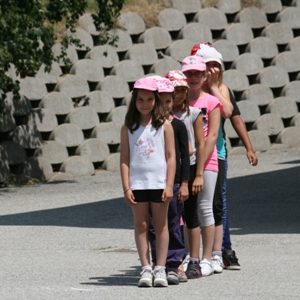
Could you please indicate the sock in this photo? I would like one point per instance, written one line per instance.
(219, 253)
(156, 268)
(194, 259)
(148, 267)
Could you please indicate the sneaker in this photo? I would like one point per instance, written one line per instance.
(193, 270)
(217, 264)
(160, 278)
(185, 262)
(146, 278)
(230, 260)
(206, 267)
(172, 277)
(181, 275)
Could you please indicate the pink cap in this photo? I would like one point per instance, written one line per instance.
(146, 83)
(207, 52)
(164, 85)
(193, 62)
(177, 78)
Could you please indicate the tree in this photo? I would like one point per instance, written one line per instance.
(27, 34)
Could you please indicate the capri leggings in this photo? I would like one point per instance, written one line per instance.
(205, 199)
(191, 217)
(218, 196)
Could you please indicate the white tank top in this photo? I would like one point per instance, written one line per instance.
(147, 158)
(189, 120)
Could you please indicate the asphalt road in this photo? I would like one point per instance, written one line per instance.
(74, 240)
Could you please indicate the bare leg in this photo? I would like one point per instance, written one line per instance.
(160, 223)
(194, 241)
(208, 233)
(218, 238)
(141, 219)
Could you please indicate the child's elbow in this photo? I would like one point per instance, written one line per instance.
(226, 113)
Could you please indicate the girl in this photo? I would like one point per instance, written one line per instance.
(195, 70)
(215, 86)
(176, 250)
(147, 164)
(192, 118)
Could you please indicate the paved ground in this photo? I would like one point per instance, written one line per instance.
(74, 240)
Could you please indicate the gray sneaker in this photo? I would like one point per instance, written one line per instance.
(146, 278)
(172, 277)
(160, 278)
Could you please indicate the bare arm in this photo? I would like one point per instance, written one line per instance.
(171, 161)
(214, 118)
(200, 153)
(124, 165)
(240, 127)
(220, 91)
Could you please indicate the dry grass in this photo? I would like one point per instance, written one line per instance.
(147, 9)
(247, 3)
(209, 3)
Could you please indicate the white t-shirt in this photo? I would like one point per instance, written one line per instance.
(189, 120)
(148, 167)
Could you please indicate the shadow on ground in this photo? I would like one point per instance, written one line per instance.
(261, 203)
(126, 277)
(265, 203)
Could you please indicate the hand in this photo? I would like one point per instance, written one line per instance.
(197, 185)
(213, 77)
(252, 158)
(183, 193)
(129, 197)
(167, 194)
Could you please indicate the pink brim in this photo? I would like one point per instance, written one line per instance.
(193, 67)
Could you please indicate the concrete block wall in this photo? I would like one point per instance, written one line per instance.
(67, 123)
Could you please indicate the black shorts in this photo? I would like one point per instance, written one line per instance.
(148, 195)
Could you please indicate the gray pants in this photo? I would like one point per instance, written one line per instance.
(205, 199)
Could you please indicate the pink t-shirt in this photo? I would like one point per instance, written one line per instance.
(208, 103)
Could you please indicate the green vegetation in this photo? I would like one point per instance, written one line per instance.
(28, 33)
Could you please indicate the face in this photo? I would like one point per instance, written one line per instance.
(180, 95)
(145, 102)
(166, 100)
(195, 79)
(212, 64)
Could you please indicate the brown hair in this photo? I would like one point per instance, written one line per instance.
(132, 118)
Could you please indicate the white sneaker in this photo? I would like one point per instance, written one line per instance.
(206, 267)
(217, 264)
(160, 278)
(146, 278)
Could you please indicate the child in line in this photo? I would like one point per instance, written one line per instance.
(176, 250)
(223, 255)
(147, 145)
(192, 118)
(195, 70)
(215, 86)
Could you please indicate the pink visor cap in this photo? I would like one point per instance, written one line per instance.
(164, 85)
(177, 78)
(146, 83)
(193, 62)
(207, 52)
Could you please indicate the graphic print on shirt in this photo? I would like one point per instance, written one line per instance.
(144, 147)
(204, 117)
